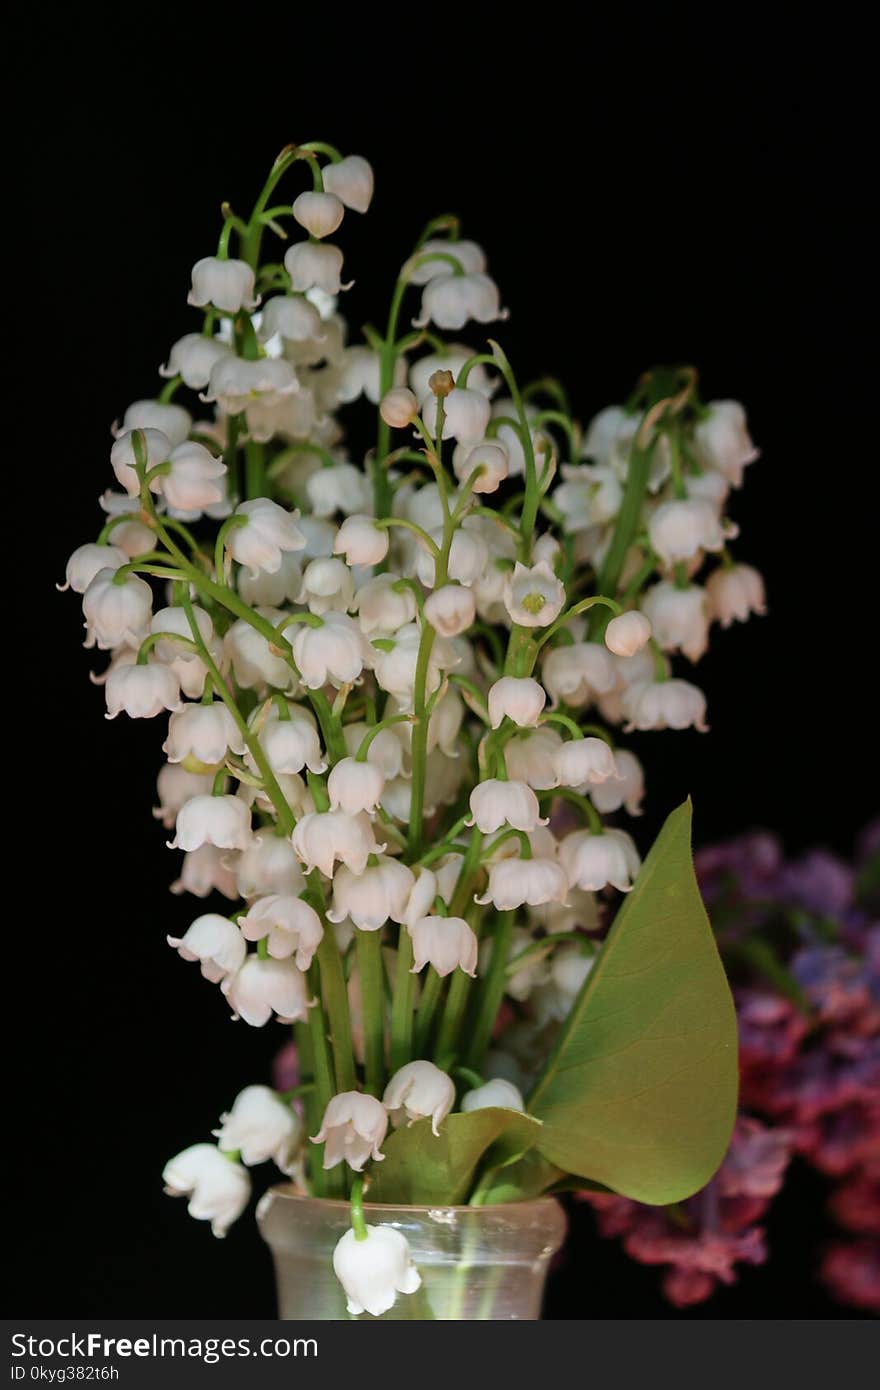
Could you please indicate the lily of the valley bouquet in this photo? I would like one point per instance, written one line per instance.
(397, 674)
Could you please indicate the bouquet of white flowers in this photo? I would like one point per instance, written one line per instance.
(396, 681)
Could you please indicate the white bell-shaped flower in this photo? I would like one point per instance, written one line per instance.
(679, 617)
(423, 892)
(260, 1127)
(396, 669)
(451, 301)
(369, 899)
(450, 359)
(495, 803)
(169, 419)
(293, 744)
(314, 265)
(495, 1093)
(584, 762)
(175, 785)
(175, 620)
(533, 596)
(352, 1130)
(680, 529)
(292, 317)
(626, 790)
(357, 373)
(269, 531)
(218, 1187)
(446, 943)
(207, 870)
(594, 861)
(141, 692)
(518, 698)
(254, 661)
(262, 988)
(386, 751)
(196, 480)
(86, 561)
(466, 415)
(722, 437)
(215, 942)
(468, 558)
(451, 609)
(489, 456)
(290, 926)
(381, 608)
(236, 384)
(351, 179)
(373, 1271)
(529, 757)
(320, 838)
(192, 358)
(361, 541)
(576, 674)
(354, 786)
(399, 407)
(269, 865)
(156, 447)
(335, 653)
(327, 586)
(276, 589)
(116, 614)
(204, 732)
(416, 1091)
(224, 821)
(432, 260)
(734, 593)
(319, 212)
(516, 882)
(339, 488)
(225, 284)
(627, 633)
(669, 704)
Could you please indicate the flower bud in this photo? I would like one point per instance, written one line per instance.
(351, 179)
(361, 541)
(417, 1090)
(451, 609)
(519, 698)
(494, 1093)
(399, 407)
(320, 213)
(627, 633)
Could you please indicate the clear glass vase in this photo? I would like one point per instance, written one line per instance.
(476, 1263)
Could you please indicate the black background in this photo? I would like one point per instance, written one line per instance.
(682, 185)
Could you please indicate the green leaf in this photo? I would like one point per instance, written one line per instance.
(422, 1168)
(528, 1176)
(640, 1090)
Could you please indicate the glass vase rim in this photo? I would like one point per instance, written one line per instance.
(285, 1191)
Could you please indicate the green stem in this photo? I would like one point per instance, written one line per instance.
(492, 992)
(431, 992)
(369, 959)
(402, 1003)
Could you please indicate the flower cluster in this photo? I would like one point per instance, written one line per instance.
(382, 668)
(802, 941)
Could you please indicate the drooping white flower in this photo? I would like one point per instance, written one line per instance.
(578, 673)
(268, 532)
(627, 789)
(192, 358)
(593, 861)
(354, 786)
(268, 865)
(116, 614)
(382, 608)
(260, 1126)
(254, 660)
(399, 407)
(335, 653)
(519, 698)
(373, 1271)
(515, 882)
(215, 942)
(679, 617)
(292, 317)
(396, 669)
(327, 586)
(466, 414)
(361, 541)
(262, 988)
(446, 943)
(358, 372)
(495, 803)
(339, 488)
(203, 732)
(468, 557)
(450, 359)
(273, 590)
(569, 968)
(141, 692)
(314, 265)
(490, 456)
(218, 1188)
(204, 871)
(319, 212)
(237, 384)
(226, 284)
(175, 785)
(451, 609)
(583, 762)
(417, 1090)
(432, 260)
(680, 529)
(155, 448)
(669, 704)
(381, 892)
(130, 535)
(533, 597)
(351, 179)
(292, 927)
(722, 438)
(494, 1093)
(169, 419)
(85, 563)
(589, 495)
(320, 838)
(627, 633)
(450, 301)
(174, 620)
(385, 751)
(224, 821)
(734, 593)
(293, 744)
(352, 1130)
(196, 478)
(529, 757)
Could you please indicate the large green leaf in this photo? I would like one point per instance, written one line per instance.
(640, 1090)
(421, 1167)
